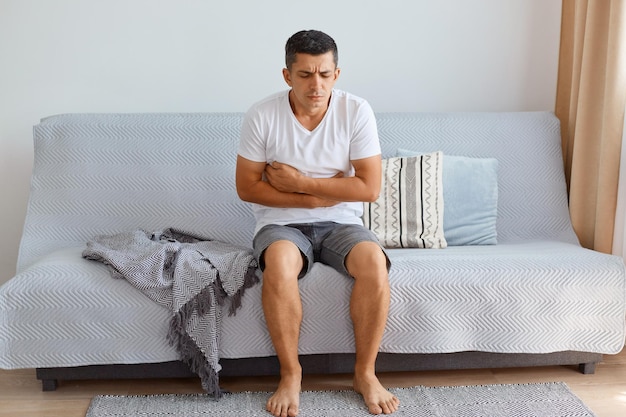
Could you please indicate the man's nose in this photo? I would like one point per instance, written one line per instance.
(317, 80)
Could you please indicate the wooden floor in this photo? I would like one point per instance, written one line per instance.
(21, 395)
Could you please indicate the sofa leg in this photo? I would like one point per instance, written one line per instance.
(587, 368)
(49, 384)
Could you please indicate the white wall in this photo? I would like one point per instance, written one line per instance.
(200, 55)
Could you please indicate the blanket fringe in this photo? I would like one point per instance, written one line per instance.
(188, 349)
(202, 303)
(193, 357)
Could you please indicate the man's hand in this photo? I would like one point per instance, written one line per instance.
(286, 178)
(285, 186)
(283, 177)
(252, 188)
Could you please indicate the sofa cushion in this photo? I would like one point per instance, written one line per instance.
(409, 210)
(470, 193)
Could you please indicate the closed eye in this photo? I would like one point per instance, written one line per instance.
(325, 74)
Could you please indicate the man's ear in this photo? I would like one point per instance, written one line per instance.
(337, 72)
(287, 76)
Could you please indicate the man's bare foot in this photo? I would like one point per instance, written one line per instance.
(286, 400)
(377, 398)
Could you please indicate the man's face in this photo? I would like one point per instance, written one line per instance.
(311, 79)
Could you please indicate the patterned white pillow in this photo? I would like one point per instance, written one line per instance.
(409, 209)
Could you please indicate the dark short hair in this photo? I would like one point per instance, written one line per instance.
(312, 42)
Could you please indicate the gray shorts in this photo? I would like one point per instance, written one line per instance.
(325, 242)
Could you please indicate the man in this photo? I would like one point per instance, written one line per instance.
(308, 158)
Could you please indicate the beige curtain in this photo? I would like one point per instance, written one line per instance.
(591, 96)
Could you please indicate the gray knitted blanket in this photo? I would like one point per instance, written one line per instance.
(190, 276)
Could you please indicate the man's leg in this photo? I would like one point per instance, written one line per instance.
(283, 313)
(369, 305)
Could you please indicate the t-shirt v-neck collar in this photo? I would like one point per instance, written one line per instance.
(300, 125)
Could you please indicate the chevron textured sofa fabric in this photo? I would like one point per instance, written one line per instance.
(535, 291)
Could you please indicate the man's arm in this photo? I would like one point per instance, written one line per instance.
(363, 186)
(252, 188)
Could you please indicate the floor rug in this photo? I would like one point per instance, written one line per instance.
(546, 399)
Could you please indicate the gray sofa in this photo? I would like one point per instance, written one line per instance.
(524, 294)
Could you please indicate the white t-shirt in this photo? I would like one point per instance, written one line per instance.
(271, 132)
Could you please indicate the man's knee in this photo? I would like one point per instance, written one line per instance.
(367, 259)
(282, 259)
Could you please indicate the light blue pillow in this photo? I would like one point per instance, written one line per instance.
(470, 195)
